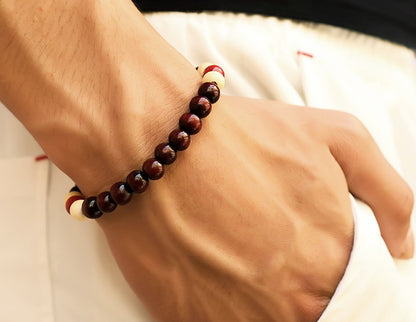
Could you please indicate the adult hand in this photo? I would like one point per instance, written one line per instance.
(254, 219)
(234, 229)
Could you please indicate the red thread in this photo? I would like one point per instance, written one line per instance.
(41, 157)
(304, 54)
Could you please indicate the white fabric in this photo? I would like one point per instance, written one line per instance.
(57, 269)
(372, 288)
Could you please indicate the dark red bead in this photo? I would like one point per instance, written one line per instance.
(190, 123)
(153, 169)
(210, 91)
(179, 140)
(214, 68)
(90, 208)
(105, 203)
(165, 154)
(137, 181)
(120, 193)
(200, 105)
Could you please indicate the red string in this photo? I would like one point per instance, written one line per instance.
(41, 157)
(304, 54)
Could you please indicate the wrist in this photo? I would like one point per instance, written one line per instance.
(102, 81)
(142, 105)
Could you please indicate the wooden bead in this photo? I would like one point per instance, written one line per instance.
(210, 91)
(71, 194)
(137, 181)
(214, 68)
(201, 106)
(201, 68)
(153, 169)
(76, 210)
(190, 123)
(179, 140)
(90, 208)
(214, 77)
(71, 197)
(165, 154)
(120, 194)
(105, 203)
(75, 188)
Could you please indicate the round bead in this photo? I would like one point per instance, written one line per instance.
(202, 67)
(165, 154)
(75, 188)
(76, 210)
(90, 208)
(137, 181)
(210, 91)
(179, 140)
(214, 77)
(71, 198)
(153, 169)
(200, 105)
(214, 68)
(120, 193)
(190, 123)
(71, 194)
(105, 203)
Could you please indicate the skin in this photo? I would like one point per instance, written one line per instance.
(252, 223)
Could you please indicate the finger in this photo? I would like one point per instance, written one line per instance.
(372, 179)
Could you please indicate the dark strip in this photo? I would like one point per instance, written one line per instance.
(393, 20)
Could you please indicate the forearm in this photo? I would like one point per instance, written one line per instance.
(243, 212)
(93, 73)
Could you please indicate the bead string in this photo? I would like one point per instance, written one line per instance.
(120, 193)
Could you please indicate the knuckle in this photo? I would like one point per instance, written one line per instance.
(348, 135)
(351, 126)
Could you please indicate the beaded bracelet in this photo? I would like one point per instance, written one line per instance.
(137, 181)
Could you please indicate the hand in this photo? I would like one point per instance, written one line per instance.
(254, 219)
(234, 228)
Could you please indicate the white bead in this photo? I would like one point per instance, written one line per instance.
(215, 77)
(201, 67)
(71, 194)
(76, 210)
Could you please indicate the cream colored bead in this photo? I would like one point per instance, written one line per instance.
(76, 210)
(201, 67)
(215, 77)
(71, 194)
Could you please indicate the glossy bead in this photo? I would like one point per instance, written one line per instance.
(105, 203)
(200, 105)
(202, 67)
(190, 123)
(137, 181)
(120, 193)
(75, 188)
(90, 208)
(213, 68)
(153, 169)
(165, 154)
(71, 197)
(179, 140)
(214, 77)
(210, 91)
(76, 210)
